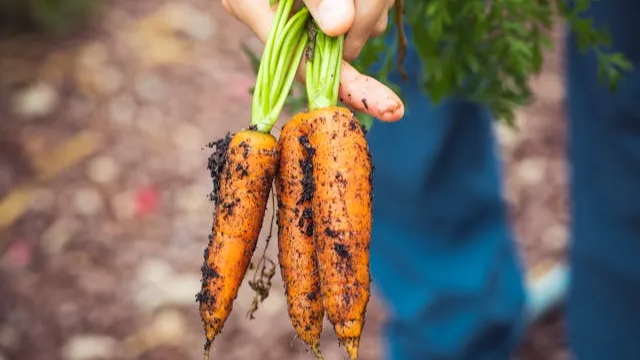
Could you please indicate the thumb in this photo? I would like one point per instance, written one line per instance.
(334, 17)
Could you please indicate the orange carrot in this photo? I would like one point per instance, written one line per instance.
(324, 189)
(297, 255)
(342, 219)
(243, 169)
(342, 197)
(246, 166)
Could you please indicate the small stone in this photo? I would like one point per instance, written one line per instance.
(156, 286)
(56, 237)
(103, 170)
(56, 67)
(191, 21)
(531, 171)
(188, 137)
(124, 205)
(42, 200)
(191, 198)
(90, 347)
(507, 137)
(169, 326)
(555, 237)
(150, 88)
(189, 164)
(97, 282)
(108, 80)
(68, 314)
(122, 110)
(150, 121)
(87, 201)
(8, 337)
(148, 285)
(153, 271)
(200, 27)
(551, 87)
(37, 100)
(93, 55)
(79, 108)
(180, 290)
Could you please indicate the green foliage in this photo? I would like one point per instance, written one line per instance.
(486, 51)
(53, 16)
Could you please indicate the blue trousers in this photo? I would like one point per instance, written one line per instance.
(443, 255)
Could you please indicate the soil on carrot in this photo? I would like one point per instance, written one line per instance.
(308, 185)
(217, 161)
(306, 221)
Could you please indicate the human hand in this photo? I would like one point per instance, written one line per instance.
(359, 20)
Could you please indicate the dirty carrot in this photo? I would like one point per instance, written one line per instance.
(244, 165)
(243, 168)
(340, 166)
(297, 254)
(342, 219)
(342, 199)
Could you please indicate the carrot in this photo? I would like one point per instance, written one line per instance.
(248, 167)
(341, 200)
(297, 255)
(243, 168)
(342, 218)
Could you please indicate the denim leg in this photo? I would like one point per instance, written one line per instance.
(443, 256)
(604, 296)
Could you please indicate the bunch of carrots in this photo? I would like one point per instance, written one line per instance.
(322, 171)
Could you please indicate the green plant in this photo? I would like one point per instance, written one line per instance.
(53, 16)
(484, 51)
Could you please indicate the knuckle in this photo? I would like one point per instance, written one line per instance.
(352, 52)
(380, 26)
(226, 4)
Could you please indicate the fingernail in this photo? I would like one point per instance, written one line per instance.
(335, 16)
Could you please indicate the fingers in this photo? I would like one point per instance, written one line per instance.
(368, 95)
(381, 25)
(257, 15)
(368, 14)
(334, 17)
(357, 91)
(365, 94)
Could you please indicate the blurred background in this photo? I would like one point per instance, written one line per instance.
(105, 111)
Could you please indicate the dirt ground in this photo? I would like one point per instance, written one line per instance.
(103, 185)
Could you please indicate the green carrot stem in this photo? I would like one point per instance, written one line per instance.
(323, 71)
(281, 33)
(275, 112)
(278, 66)
(293, 31)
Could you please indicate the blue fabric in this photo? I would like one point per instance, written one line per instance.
(442, 253)
(604, 296)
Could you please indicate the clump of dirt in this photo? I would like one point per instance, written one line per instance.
(307, 168)
(216, 163)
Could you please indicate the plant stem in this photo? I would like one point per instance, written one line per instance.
(292, 33)
(323, 70)
(280, 59)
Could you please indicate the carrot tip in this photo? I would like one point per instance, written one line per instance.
(207, 352)
(351, 345)
(316, 352)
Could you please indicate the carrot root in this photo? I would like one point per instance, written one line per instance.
(243, 168)
(297, 255)
(339, 173)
